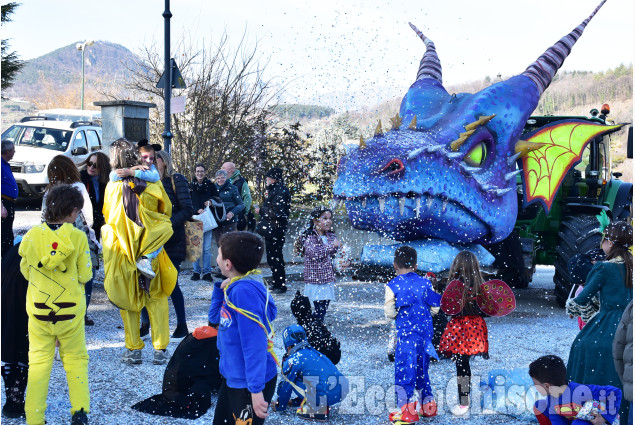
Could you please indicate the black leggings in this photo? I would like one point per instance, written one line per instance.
(234, 404)
(463, 376)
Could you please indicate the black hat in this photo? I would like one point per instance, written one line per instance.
(275, 173)
(144, 142)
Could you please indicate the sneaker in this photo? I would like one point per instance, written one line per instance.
(195, 276)
(57, 354)
(459, 410)
(321, 414)
(160, 357)
(406, 415)
(132, 357)
(79, 418)
(181, 331)
(278, 290)
(88, 322)
(208, 277)
(428, 410)
(144, 330)
(144, 265)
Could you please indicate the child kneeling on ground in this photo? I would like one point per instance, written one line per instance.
(408, 300)
(569, 402)
(244, 310)
(311, 375)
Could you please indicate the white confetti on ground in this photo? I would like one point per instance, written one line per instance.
(537, 327)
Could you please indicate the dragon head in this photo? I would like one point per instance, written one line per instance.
(447, 167)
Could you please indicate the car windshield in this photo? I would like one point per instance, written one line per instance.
(47, 138)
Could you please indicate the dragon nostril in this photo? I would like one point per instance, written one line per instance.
(394, 166)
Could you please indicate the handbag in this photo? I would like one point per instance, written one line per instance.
(218, 209)
(193, 240)
(193, 235)
(209, 222)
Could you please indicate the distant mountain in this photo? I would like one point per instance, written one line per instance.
(61, 68)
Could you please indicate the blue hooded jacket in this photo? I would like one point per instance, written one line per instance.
(242, 343)
(413, 298)
(305, 365)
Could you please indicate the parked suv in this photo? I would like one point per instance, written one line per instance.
(38, 139)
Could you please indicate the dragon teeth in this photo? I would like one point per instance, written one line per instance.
(341, 204)
(334, 204)
(417, 206)
(364, 203)
(402, 204)
(382, 204)
(445, 205)
(429, 202)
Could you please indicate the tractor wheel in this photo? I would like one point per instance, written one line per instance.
(578, 234)
(509, 261)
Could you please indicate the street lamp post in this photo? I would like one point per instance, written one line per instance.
(82, 47)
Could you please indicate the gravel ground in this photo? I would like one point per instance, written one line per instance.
(537, 327)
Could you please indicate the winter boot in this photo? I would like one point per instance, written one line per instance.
(15, 379)
(407, 415)
(79, 418)
(319, 414)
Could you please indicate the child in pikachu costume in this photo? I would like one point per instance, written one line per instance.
(56, 263)
(137, 216)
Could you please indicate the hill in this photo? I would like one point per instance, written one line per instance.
(54, 79)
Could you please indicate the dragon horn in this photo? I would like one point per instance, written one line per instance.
(430, 66)
(545, 67)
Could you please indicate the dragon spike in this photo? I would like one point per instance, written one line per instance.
(395, 122)
(362, 143)
(455, 145)
(512, 175)
(430, 66)
(523, 147)
(545, 67)
(512, 159)
(378, 131)
(413, 123)
(481, 121)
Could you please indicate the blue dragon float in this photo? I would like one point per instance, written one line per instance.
(443, 178)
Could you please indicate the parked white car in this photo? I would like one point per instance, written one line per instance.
(38, 139)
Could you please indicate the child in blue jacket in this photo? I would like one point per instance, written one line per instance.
(313, 375)
(244, 310)
(408, 300)
(568, 402)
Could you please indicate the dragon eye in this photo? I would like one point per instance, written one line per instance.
(394, 166)
(476, 156)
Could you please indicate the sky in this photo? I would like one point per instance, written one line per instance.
(343, 52)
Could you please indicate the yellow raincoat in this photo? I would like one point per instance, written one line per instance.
(124, 242)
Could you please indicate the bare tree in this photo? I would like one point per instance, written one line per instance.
(228, 101)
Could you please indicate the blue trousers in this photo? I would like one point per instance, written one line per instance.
(411, 370)
(206, 257)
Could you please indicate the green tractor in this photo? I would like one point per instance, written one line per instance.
(571, 226)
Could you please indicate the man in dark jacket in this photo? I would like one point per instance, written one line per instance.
(275, 213)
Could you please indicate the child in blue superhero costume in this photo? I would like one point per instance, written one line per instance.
(309, 374)
(565, 403)
(244, 310)
(408, 300)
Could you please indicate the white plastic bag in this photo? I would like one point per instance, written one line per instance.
(209, 222)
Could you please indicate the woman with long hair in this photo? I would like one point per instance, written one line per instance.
(591, 354)
(137, 215)
(178, 192)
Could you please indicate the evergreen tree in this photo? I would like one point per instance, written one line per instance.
(11, 64)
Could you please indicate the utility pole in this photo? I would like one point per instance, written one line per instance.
(167, 134)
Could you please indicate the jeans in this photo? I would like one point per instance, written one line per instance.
(177, 300)
(275, 259)
(206, 256)
(7, 226)
(88, 289)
